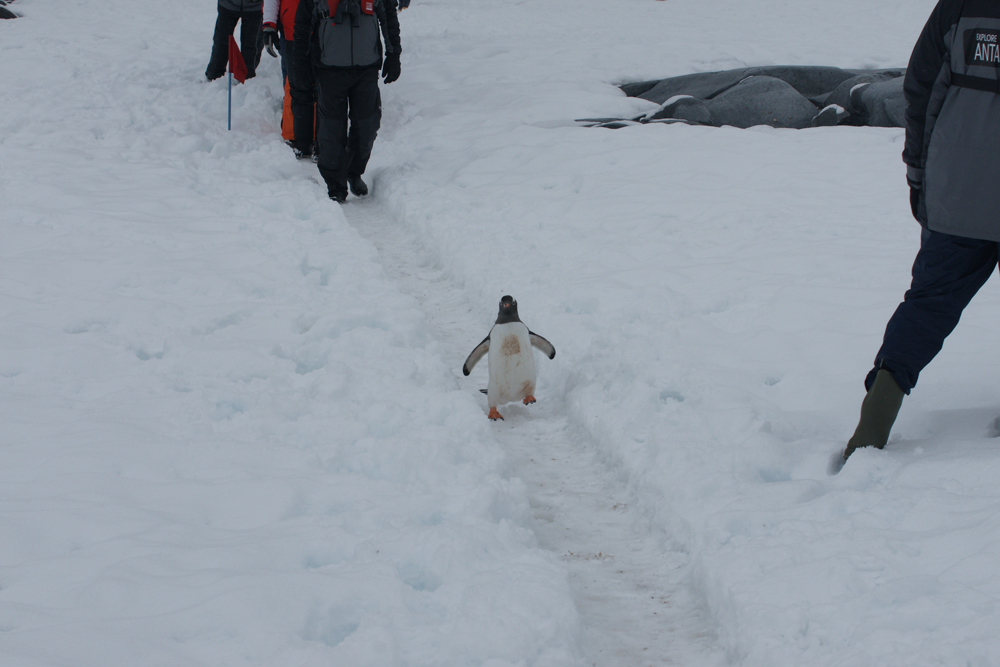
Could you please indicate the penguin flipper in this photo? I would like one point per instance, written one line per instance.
(476, 355)
(545, 346)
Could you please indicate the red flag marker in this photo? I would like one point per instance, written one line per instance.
(237, 67)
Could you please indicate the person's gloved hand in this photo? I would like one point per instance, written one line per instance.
(271, 40)
(390, 68)
(915, 179)
(914, 202)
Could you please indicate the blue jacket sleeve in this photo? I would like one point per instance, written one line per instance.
(389, 22)
(925, 65)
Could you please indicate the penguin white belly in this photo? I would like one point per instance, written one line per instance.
(511, 363)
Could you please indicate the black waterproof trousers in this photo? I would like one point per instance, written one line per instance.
(349, 113)
(251, 41)
(947, 273)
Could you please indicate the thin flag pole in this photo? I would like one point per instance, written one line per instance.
(238, 69)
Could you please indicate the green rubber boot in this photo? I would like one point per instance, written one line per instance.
(878, 413)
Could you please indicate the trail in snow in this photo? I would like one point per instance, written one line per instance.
(632, 592)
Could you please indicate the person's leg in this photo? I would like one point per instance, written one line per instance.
(947, 273)
(224, 26)
(331, 136)
(260, 41)
(285, 54)
(365, 111)
(303, 107)
(287, 120)
(251, 40)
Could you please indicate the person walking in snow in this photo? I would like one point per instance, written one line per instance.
(249, 14)
(952, 157)
(336, 57)
(279, 33)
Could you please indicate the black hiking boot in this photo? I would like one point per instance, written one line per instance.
(878, 413)
(358, 187)
(301, 152)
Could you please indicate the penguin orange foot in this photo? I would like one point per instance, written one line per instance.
(494, 415)
(529, 399)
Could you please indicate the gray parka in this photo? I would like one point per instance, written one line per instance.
(952, 90)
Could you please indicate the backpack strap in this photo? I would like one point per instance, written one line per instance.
(976, 83)
(329, 8)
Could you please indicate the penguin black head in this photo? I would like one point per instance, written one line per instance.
(508, 310)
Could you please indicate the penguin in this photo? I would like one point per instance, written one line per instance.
(511, 362)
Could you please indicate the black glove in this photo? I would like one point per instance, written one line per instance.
(390, 68)
(915, 179)
(915, 201)
(271, 41)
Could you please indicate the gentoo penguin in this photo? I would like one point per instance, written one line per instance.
(512, 364)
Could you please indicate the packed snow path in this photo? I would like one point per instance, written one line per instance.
(630, 589)
(227, 438)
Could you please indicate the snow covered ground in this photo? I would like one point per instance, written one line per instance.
(233, 426)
